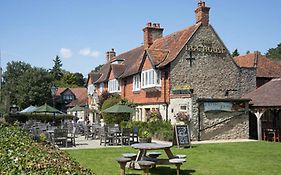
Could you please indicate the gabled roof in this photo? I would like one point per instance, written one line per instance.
(104, 71)
(163, 51)
(117, 69)
(174, 43)
(268, 95)
(265, 67)
(93, 76)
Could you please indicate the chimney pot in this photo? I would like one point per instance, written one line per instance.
(151, 33)
(202, 13)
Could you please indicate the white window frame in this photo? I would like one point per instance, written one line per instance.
(137, 82)
(114, 86)
(150, 78)
(101, 87)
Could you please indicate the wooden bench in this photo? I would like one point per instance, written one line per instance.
(131, 156)
(144, 165)
(180, 156)
(122, 162)
(178, 162)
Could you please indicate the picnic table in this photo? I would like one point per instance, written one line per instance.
(144, 147)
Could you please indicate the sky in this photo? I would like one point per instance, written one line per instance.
(81, 31)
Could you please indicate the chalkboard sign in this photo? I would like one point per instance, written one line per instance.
(182, 136)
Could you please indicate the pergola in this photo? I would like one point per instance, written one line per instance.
(266, 97)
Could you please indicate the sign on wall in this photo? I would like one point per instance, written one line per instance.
(217, 106)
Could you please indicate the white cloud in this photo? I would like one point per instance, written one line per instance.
(89, 52)
(65, 53)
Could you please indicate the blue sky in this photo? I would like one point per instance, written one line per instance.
(81, 31)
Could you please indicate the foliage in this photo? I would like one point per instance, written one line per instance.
(154, 116)
(182, 116)
(274, 53)
(19, 154)
(113, 118)
(246, 158)
(20, 89)
(158, 129)
(45, 118)
(56, 72)
(104, 96)
(97, 69)
(69, 79)
(235, 53)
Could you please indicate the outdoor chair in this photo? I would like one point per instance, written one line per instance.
(135, 135)
(60, 136)
(72, 136)
(96, 131)
(105, 137)
(125, 136)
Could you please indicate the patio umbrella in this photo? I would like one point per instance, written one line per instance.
(29, 109)
(75, 109)
(119, 108)
(47, 109)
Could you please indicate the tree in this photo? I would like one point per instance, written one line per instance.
(35, 90)
(71, 80)
(97, 68)
(247, 52)
(56, 71)
(235, 53)
(274, 53)
(25, 85)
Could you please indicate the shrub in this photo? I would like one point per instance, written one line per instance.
(19, 154)
(113, 118)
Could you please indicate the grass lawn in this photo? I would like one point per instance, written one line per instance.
(249, 158)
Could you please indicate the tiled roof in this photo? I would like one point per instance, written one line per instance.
(265, 67)
(80, 93)
(174, 43)
(104, 71)
(267, 95)
(117, 69)
(157, 56)
(161, 52)
(93, 76)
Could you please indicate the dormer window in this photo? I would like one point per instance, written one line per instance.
(150, 78)
(114, 86)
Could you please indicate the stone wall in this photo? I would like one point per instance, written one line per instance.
(210, 73)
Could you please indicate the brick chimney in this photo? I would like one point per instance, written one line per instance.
(202, 13)
(151, 33)
(110, 55)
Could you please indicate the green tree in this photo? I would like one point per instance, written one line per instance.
(57, 71)
(235, 53)
(14, 71)
(97, 69)
(274, 53)
(25, 85)
(71, 80)
(35, 90)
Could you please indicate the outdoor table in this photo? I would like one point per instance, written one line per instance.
(144, 147)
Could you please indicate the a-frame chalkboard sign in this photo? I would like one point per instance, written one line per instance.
(182, 136)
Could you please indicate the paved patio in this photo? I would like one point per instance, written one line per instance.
(82, 143)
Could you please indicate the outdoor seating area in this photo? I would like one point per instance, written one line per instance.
(273, 135)
(66, 134)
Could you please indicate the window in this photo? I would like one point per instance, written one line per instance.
(136, 82)
(114, 86)
(151, 78)
(183, 108)
(101, 87)
(68, 97)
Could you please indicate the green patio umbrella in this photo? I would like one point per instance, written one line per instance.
(47, 109)
(75, 109)
(119, 108)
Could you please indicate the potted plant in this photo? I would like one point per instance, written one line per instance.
(145, 136)
(182, 117)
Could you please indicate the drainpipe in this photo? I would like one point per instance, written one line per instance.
(199, 123)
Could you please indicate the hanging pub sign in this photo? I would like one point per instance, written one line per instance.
(217, 106)
(182, 136)
(182, 89)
